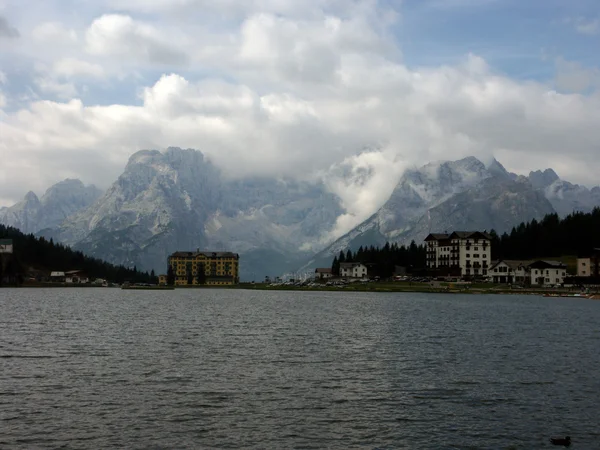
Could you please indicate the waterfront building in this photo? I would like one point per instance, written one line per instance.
(461, 253)
(209, 268)
(323, 273)
(547, 273)
(584, 267)
(353, 270)
(162, 279)
(509, 272)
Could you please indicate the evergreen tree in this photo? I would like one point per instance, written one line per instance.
(335, 267)
(190, 277)
(201, 275)
(170, 276)
(349, 257)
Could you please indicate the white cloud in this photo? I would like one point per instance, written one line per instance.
(54, 32)
(571, 76)
(72, 67)
(589, 27)
(291, 88)
(49, 85)
(131, 40)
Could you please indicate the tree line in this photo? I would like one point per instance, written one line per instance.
(381, 261)
(576, 234)
(31, 252)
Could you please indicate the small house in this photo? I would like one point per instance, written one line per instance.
(353, 270)
(323, 273)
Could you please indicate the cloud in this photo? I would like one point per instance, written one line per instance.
(571, 76)
(587, 26)
(6, 30)
(72, 67)
(54, 32)
(61, 90)
(304, 89)
(121, 36)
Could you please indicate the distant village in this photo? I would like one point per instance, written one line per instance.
(466, 256)
(453, 257)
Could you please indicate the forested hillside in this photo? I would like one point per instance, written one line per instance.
(35, 253)
(577, 235)
(382, 260)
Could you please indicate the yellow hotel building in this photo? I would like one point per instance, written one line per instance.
(220, 268)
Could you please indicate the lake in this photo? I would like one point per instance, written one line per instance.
(101, 368)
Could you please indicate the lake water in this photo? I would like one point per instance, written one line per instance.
(101, 368)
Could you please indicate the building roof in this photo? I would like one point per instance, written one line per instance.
(471, 235)
(514, 264)
(541, 264)
(323, 270)
(73, 272)
(436, 237)
(57, 274)
(207, 254)
(6, 241)
(350, 265)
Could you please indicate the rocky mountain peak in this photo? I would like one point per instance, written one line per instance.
(541, 180)
(31, 199)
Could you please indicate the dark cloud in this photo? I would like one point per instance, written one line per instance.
(6, 30)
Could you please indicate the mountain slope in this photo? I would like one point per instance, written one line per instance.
(59, 202)
(565, 197)
(456, 195)
(178, 200)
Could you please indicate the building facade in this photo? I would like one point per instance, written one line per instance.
(509, 272)
(353, 270)
(584, 267)
(323, 273)
(461, 253)
(547, 273)
(208, 268)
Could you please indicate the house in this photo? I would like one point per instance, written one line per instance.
(201, 267)
(547, 273)
(76, 277)
(584, 267)
(57, 277)
(162, 279)
(590, 265)
(353, 270)
(6, 246)
(461, 253)
(323, 273)
(509, 272)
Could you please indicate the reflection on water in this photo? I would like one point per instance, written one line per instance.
(98, 368)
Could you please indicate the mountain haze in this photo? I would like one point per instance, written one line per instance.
(179, 200)
(60, 201)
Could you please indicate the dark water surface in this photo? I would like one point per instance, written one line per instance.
(102, 368)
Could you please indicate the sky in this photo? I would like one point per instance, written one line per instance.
(329, 89)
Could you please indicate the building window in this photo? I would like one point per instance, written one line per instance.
(468, 255)
(476, 248)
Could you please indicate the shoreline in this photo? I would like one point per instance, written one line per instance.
(383, 287)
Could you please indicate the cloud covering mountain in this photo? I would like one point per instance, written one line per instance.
(289, 89)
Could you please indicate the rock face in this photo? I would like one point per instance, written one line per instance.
(565, 197)
(60, 201)
(447, 196)
(178, 200)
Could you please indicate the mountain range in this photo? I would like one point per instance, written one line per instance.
(178, 200)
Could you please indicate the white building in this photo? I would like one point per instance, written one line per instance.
(462, 253)
(353, 270)
(547, 273)
(509, 272)
(323, 273)
(76, 277)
